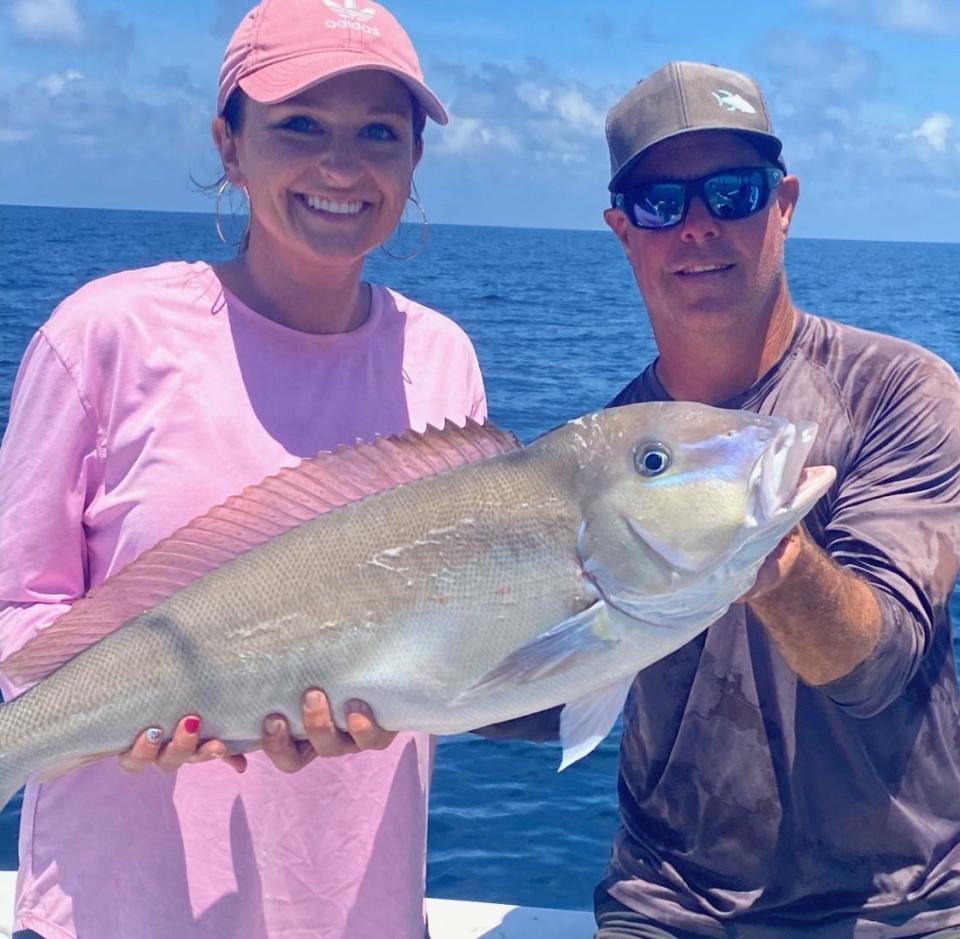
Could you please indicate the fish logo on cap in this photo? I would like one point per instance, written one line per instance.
(733, 102)
(350, 10)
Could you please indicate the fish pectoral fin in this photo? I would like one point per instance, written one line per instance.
(586, 721)
(568, 644)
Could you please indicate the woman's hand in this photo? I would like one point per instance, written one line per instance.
(323, 737)
(149, 749)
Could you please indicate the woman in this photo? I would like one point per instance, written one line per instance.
(152, 395)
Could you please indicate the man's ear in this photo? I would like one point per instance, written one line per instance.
(226, 143)
(618, 224)
(788, 194)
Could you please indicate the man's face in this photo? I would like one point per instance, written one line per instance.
(705, 275)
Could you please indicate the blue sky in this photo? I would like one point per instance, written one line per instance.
(108, 104)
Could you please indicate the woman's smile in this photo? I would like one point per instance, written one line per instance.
(331, 206)
(323, 205)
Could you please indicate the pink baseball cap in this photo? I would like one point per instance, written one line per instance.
(282, 47)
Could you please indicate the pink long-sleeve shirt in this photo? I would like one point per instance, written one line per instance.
(147, 398)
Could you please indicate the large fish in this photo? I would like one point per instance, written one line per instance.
(451, 579)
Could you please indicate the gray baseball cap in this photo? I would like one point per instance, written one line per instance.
(682, 97)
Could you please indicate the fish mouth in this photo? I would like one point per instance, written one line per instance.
(811, 485)
(780, 483)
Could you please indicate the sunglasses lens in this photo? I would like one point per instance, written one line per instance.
(730, 194)
(736, 194)
(658, 205)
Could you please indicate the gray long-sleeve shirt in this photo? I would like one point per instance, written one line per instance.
(755, 805)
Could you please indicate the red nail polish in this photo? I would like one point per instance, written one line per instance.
(191, 725)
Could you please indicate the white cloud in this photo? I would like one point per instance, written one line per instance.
(568, 104)
(77, 137)
(529, 112)
(54, 82)
(98, 35)
(72, 112)
(817, 93)
(533, 95)
(918, 16)
(470, 134)
(831, 106)
(48, 20)
(816, 75)
(934, 130)
(572, 107)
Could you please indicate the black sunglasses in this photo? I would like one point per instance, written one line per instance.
(728, 194)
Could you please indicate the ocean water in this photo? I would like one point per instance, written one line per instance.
(559, 329)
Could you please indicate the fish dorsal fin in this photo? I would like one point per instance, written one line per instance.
(281, 502)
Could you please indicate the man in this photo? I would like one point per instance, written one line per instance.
(795, 771)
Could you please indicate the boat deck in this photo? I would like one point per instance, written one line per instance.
(449, 919)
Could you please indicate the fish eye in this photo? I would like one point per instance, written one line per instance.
(652, 459)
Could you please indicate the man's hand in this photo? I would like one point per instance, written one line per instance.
(778, 564)
(149, 749)
(323, 737)
(824, 619)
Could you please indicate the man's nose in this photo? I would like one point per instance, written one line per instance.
(698, 225)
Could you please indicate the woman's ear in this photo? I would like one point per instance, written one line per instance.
(226, 143)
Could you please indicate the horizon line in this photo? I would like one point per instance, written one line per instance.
(88, 208)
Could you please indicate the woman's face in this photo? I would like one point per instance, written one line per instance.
(328, 171)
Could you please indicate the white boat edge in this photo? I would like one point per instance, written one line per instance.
(449, 919)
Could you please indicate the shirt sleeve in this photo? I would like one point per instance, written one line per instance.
(478, 393)
(896, 523)
(49, 469)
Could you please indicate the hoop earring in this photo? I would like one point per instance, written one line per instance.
(414, 197)
(223, 187)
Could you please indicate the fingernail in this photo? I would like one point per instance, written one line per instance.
(154, 735)
(313, 699)
(359, 706)
(272, 725)
(191, 725)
